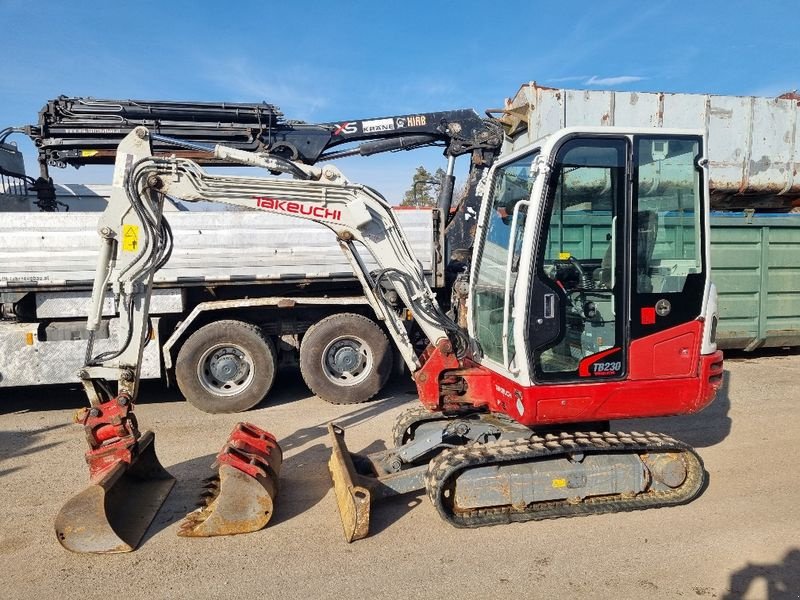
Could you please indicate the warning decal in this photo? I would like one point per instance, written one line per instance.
(130, 238)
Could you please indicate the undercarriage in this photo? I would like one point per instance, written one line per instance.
(480, 469)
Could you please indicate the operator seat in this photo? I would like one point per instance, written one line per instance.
(646, 233)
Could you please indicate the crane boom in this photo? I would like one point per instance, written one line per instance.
(79, 131)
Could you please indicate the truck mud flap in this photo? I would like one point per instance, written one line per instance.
(353, 499)
(112, 514)
(240, 499)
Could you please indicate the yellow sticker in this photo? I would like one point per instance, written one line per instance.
(130, 238)
(564, 255)
(559, 483)
(89, 153)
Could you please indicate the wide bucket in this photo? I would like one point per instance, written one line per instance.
(113, 513)
(241, 498)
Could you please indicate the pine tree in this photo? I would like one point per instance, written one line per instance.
(424, 188)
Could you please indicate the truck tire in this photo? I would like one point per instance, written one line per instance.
(345, 358)
(226, 367)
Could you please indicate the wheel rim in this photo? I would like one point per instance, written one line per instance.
(347, 360)
(225, 369)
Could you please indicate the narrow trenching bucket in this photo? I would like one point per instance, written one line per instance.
(240, 499)
(353, 499)
(113, 513)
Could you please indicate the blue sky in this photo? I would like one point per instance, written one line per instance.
(334, 61)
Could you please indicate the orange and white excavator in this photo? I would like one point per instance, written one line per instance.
(587, 298)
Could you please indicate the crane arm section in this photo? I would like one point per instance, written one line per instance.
(78, 131)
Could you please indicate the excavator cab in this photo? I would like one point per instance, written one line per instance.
(599, 276)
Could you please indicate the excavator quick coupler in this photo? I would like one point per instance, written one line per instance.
(128, 484)
(240, 499)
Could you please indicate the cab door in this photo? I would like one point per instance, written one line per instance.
(578, 309)
(497, 263)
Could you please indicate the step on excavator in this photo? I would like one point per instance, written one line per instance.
(586, 298)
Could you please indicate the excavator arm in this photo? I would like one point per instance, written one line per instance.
(136, 242)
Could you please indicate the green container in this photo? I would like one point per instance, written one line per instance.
(755, 263)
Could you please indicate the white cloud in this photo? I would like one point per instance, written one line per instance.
(583, 41)
(598, 81)
(773, 90)
(582, 78)
(298, 92)
(617, 80)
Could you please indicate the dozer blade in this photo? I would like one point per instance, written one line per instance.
(241, 498)
(113, 513)
(353, 499)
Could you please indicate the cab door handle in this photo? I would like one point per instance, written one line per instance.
(549, 306)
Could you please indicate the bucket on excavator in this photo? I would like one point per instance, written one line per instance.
(240, 499)
(112, 514)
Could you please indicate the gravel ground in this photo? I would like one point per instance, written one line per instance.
(740, 539)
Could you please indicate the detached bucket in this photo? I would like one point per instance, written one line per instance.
(114, 512)
(354, 500)
(241, 498)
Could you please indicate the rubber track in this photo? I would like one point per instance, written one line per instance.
(407, 418)
(420, 414)
(451, 462)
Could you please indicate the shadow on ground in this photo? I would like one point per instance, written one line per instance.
(304, 479)
(700, 430)
(780, 581)
(60, 397)
(785, 352)
(289, 387)
(14, 444)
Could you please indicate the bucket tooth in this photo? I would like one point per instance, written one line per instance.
(113, 513)
(353, 500)
(240, 499)
(244, 504)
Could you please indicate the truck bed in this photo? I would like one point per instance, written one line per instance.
(58, 251)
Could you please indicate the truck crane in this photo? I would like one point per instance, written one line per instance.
(545, 344)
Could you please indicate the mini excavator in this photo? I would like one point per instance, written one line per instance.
(587, 297)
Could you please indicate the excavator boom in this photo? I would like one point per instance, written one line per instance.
(136, 242)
